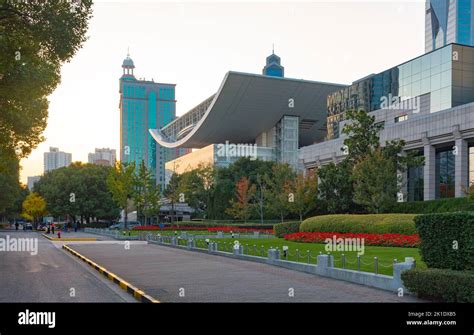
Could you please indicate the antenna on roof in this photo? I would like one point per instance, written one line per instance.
(128, 51)
(273, 48)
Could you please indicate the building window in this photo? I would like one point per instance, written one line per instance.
(401, 118)
(445, 173)
(471, 165)
(415, 183)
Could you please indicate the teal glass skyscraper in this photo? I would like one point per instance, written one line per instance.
(448, 21)
(273, 67)
(144, 105)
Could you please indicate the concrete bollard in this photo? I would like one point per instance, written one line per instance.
(212, 246)
(174, 241)
(220, 234)
(273, 254)
(238, 249)
(398, 268)
(190, 244)
(325, 261)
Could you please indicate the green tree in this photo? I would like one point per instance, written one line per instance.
(304, 190)
(79, 191)
(146, 195)
(120, 183)
(277, 192)
(34, 207)
(335, 188)
(375, 182)
(36, 38)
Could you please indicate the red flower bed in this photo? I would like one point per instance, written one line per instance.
(384, 240)
(225, 229)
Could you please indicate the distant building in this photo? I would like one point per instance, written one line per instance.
(448, 22)
(55, 159)
(31, 181)
(144, 105)
(273, 67)
(103, 156)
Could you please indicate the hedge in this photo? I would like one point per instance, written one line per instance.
(440, 284)
(434, 206)
(361, 223)
(285, 228)
(447, 240)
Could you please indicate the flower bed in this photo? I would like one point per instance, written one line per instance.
(209, 229)
(384, 240)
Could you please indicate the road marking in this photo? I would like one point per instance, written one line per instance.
(138, 294)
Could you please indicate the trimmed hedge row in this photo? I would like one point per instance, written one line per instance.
(285, 228)
(440, 285)
(447, 240)
(361, 223)
(434, 206)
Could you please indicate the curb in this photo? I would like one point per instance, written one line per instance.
(136, 292)
(70, 239)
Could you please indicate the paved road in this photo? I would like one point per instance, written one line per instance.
(50, 275)
(163, 272)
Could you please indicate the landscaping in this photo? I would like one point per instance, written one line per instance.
(447, 248)
(307, 253)
(361, 223)
(385, 240)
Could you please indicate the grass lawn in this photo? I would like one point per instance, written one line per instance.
(170, 232)
(385, 255)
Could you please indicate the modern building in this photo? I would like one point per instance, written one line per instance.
(429, 103)
(55, 159)
(273, 66)
(259, 116)
(143, 105)
(448, 21)
(31, 180)
(102, 156)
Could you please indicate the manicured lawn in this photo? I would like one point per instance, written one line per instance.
(171, 232)
(385, 255)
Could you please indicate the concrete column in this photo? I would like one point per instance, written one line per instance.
(461, 167)
(429, 172)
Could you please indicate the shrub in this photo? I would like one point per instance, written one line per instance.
(384, 240)
(440, 234)
(440, 285)
(285, 228)
(434, 206)
(361, 223)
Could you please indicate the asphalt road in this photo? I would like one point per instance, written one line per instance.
(51, 276)
(174, 275)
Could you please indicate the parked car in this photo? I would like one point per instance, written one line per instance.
(121, 225)
(28, 226)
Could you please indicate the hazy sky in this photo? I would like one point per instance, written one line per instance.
(194, 43)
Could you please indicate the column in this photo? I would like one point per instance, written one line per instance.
(429, 173)
(461, 167)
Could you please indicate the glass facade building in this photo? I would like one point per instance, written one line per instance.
(144, 105)
(273, 67)
(446, 75)
(448, 21)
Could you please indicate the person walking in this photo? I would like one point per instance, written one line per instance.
(52, 228)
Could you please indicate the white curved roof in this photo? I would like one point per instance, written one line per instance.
(247, 105)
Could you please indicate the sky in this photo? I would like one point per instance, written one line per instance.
(194, 43)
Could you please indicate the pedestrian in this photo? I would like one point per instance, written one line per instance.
(16, 225)
(75, 226)
(52, 228)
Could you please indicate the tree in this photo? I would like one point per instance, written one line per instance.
(277, 191)
(362, 134)
(240, 207)
(146, 195)
(375, 182)
(172, 192)
(335, 188)
(257, 192)
(34, 207)
(304, 190)
(120, 183)
(78, 191)
(36, 38)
